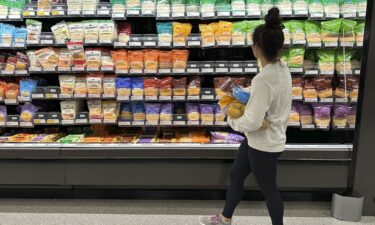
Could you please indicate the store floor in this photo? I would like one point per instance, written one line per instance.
(147, 212)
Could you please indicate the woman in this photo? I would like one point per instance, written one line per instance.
(271, 95)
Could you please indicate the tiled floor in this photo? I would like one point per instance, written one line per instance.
(145, 212)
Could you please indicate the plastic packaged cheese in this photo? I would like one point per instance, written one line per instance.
(61, 32)
(80, 87)
(347, 34)
(67, 84)
(110, 110)
(109, 85)
(34, 28)
(93, 58)
(331, 31)
(78, 53)
(76, 31)
(94, 84)
(313, 32)
(91, 29)
(95, 109)
(107, 32)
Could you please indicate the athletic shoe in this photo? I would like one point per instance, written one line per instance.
(212, 220)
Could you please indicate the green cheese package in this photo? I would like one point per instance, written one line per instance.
(343, 61)
(313, 32)
(362, 7)
(326, 60)
(163, 7)
(148, 6)
(223, 5)
(250, 27)
(287, 32)
(133, 4)
(118, 6)
(300, 6)
(296, 57)
(238, 5)
(285, 6)
(331, 7)
(253, 7)
(316, 7)
(349, 7)
(207, 7)
(359, 32)
(239, 33)
(297, 31)
(310, 61)
(192, 6)
(178, 6)
(331, 31)
(284, 55)
(347, 34)
(266, 5)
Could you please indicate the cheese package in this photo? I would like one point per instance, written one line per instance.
(27, 86)
(124, 32)
(138, 111)
(326, 60)
(223, 34)
(67, 84)
(34, 28)
(297, 31)
(76, 31)
(179, 87)
(340, 115)
(192, 112)
(181, 31)
(332, 7)
(109, 85)
(218, 82)
(323, 85)
(106, 59)
(94, 84)
(250, 27)
(93, 58)
(331, 31)
(120, 59)
(125, 112)
(11, 91)
(194, 86)
(123, 86)
(151, 59)
(207, 35)
(95, 109)
(313, 32)
(309, 90)
(296, 57)
(294, 114)
(306, 114)
(152, 111)
(151, 86)
(166, 112)
(23, 61)
(91, 30)
(78, 53)
(180, 58)
(352, 114)
(69, 109)
(3, 114)
(65, 59)
(28, 111)
(322, 115)
(47, 57)
(219, 114)
(347, 34)
(165, 86)
(110, 110)
(137, 86)
(165, 60)
(165, 31)
(61, 32)
(136, 59)
(297, 84)
(343, 62)
(107, 31)
(239, 33)
(360, 32)
(80, 87)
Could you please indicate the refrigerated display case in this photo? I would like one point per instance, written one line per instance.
(124, 94)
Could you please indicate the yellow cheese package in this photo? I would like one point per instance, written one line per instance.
(223, 34)
(181, 31)
(110, 110)
(207, 34)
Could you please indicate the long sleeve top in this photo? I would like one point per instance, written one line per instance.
(271, 99)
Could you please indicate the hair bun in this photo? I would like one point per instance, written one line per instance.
(273, 19)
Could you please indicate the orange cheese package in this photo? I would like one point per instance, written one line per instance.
(165, 86)
(11, 91)
(120, 59)
(165, 60)
(180, 58)
(136, 59)
(94, 84)
(151, 59)
(151, 86)
(2, 89)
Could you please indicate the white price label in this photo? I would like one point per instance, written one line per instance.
(2, 124)
(95, 121)
(195, 43)
(178, 70)
(12, 123)
(296, 70)
(300, 12)
(299, 42)
(236, 70)
(137, 98)
(308, 126)
(193, 122)
(347, 44)
(7, 72)
(223, 14)
(239, 13)
(354, 100)
(286, 12)
(150, 71)
(352, 126)
(67, 122)
(21, 72)
(92, 69)
(326, 100)
(221, 123)
(192, 70)
(362, 14)
(151, 98)
(109, 96)
(251, 70)
(37, 95)
(165, 98)
(207, 123)
(208, 14)
(14, 16)
(147, 12)
(138, 123)
(208, 97)
(350, 15)
(8, 101)
(333, 15)
(179, 44)
(192, 14)
(122, 71)
(221, 70)
(207, 70)
(193, 98)
(63, 69)
(179, 98)
(106, 68)
(120, 44)
(165, 122)
(294, 124)
(331, 44)
(46, 42)
(39, 121)
(149, 43)
(103, 12)
(91, 41)
(135, 43)
(109, 121)
(297, 97)
(88, 12)
(51, 95)
(80, 96)
(124, 123)
(74, 12)
(179, 122)
(311, 100)
(178, 14)
(164, 44)
(93, 96)
(132, 12)
(341, 100)
(164, 71)
(327, 72)
(26, 124)
(317, 15)
(152, 123)
(123, 98)
(81, 121)
(311, 72)
(163, 15)
(136, 71)
(78, 69)
(105, 41)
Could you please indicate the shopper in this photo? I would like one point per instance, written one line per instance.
(271, 95)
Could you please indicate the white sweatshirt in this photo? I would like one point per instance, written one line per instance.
(271, 95)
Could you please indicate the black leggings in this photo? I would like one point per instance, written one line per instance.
(264, 167)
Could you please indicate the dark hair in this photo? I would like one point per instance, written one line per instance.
(269, 36)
